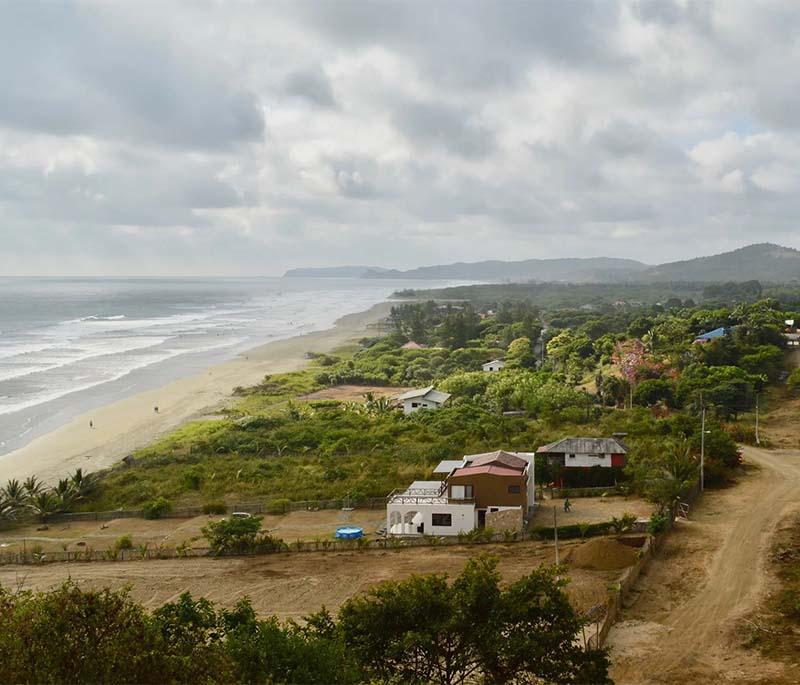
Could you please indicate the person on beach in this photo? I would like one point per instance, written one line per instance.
(155, 409)
(91, 424)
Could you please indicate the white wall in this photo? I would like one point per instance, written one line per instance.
(422, 404)
(464, 518)
(587, 460)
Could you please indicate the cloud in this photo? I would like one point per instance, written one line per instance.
(249, 138)
(312, 85)
(81, 69)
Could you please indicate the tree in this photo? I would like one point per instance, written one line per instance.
(520, 354)
(651, 392)
(237, 535)
(424, 630)
(43, 504)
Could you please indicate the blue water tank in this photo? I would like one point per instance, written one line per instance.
(349, 533)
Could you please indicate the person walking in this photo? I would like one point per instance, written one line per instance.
(567, 505)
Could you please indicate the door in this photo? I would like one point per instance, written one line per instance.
(481, 518)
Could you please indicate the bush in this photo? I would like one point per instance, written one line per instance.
(658, 523)
(215, 508)
(124, 542)
(575, 530)
(156, 508)
(278, 506)
(240, 536)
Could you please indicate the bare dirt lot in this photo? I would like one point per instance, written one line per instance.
(780, 425)
(294, 585)
(352, 393)
(681, 625)
(99, 535)
(589, 509)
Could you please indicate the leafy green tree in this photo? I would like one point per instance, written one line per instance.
(69, 635)
(651, 392)
(765, 360)
(424, 630)
(520, 354)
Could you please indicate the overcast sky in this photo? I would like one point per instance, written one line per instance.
(246, 138)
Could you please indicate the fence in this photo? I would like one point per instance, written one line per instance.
(273, 507)
(560, 493)
(35, 556)
(629, 577)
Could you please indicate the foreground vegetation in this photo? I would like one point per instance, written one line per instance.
(421, 630)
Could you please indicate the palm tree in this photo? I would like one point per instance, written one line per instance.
(14, 493)
(83, 482)
(65, 493)
(8, 511)
(33, 486)
(43, 504)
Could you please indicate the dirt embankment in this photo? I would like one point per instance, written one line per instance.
(681, 626)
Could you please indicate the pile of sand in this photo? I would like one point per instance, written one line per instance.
(601, 554)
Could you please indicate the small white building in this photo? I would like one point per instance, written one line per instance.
(425, 398)
(425, 509)
(494, 365)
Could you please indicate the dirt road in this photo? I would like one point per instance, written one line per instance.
(707, 577)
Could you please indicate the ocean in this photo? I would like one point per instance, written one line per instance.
(70, 345)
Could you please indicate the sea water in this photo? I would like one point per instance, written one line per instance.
(69, 345)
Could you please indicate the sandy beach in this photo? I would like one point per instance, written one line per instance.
(129, 424)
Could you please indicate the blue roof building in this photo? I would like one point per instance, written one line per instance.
(712, 335)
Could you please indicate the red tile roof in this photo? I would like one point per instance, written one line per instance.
(487, 468)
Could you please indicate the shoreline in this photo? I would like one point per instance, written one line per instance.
(128, 424)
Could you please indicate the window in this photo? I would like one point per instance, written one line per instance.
(513, 489)
(442, 520)
(415, 404)
(571, 456)
(461, 491)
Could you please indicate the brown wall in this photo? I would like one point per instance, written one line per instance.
(492, 490)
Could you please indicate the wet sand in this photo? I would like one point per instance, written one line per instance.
(129, 424)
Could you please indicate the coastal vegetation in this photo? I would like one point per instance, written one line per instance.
(569, 371)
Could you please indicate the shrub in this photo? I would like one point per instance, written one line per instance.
(240, 536)
(124, 542)
(215, 508)
(658, 523)
(278, 506)
(156, 508)
(623, 524)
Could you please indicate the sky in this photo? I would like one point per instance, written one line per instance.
(245, 138)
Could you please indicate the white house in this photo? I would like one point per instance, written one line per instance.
(495, 490)
(424, 398)
(494, 365)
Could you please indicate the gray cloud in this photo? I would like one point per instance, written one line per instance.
(312, 85)
(76, 69)
(248, 138)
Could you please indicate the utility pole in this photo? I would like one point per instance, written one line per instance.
(702, 444)
(758, 441)
(555, 531)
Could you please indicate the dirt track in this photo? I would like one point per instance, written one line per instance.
(708, 576)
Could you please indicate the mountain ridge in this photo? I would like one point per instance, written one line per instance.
(758, 261)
